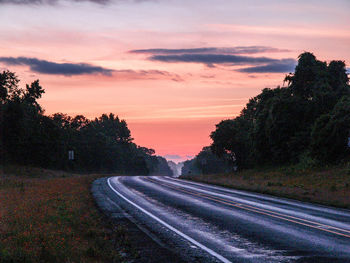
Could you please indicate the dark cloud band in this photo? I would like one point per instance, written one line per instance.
(213, 59)
(282, 66)
(46, 2)
(210, 50)
(229, 56)
(52, 2)
(53, 68)
(71, 69)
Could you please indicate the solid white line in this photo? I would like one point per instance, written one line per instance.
(262, 208)
(211, 252)
(285, 200)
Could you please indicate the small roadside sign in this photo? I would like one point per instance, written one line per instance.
(71, 155)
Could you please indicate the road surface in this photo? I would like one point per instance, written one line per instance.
(204, 223)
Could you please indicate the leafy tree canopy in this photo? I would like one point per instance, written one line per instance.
(28, 137)
(307, 117)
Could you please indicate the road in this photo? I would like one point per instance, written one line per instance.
(204, 223)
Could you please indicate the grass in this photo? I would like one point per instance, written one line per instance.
(49, 216)
(328, 186)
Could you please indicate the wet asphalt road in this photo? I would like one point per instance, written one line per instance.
(203, 223)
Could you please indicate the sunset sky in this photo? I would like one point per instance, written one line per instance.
(171, 68)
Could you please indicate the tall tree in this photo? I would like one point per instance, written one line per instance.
(283, 124)
(331, 133)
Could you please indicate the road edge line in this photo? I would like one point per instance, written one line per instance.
(203, 247)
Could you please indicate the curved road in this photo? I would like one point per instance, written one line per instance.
(204, 223)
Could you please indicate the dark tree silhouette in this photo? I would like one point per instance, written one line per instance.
(28, 137)
(309, 117)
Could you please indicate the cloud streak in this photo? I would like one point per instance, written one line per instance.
(53, 68)
(227, 56)
(74, 69)
(213, 59)
(53, 2)
(210, 50)
(47, 2)
(129, 74)
(282, 66)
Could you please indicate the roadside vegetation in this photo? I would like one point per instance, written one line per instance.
(28, 137)
(306, 122)
(328, 185)
(50, 216)
(300, 131)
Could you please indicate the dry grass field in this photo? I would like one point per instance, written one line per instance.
(328, 186)
(48, 216)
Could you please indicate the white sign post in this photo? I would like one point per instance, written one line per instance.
(70, 155)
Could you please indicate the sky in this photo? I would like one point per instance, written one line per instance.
(171, 68)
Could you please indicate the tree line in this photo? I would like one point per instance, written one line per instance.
(28, 137)
(307, 121)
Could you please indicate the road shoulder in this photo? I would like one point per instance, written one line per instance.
(144, 246)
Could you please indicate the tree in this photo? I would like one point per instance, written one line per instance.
(209, 163)
(189, 168)
(33, 92)
(29, 137)
(281, 125)
(309, 75)
(8, 86)
(231, 138)
(331, 132)
(206, 162)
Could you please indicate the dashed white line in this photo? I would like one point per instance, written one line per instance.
(208, 250)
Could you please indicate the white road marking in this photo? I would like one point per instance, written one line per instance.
(305, 205)
(267, 208)
(208, 250)
(254, 208)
